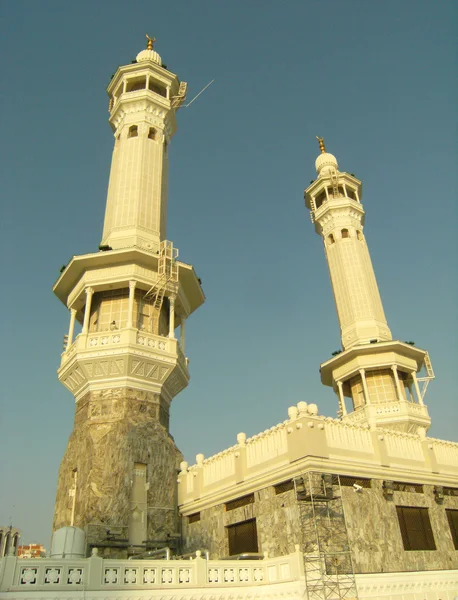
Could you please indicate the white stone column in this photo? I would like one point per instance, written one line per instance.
(362, 372)
(417, 388)
(71, 329)
(130, 307)
(87, 309)
(394, 368)
(183, 333)
(343, 408)
(172, 317)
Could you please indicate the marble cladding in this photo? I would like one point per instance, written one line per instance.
(372, 522)
(113, 430)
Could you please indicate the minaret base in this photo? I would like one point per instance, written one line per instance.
(117, 480)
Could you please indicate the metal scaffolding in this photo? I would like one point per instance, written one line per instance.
(329, 573)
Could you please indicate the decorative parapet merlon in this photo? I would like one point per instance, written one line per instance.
(99, 574)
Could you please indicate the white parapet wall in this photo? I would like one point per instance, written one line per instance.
(308, 441)
(196, 579)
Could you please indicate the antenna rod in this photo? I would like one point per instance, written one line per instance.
(201, 92)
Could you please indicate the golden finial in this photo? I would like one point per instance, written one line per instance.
(149, 45)
(321, 142)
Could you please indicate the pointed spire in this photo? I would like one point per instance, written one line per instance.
(321, 143)
(150, 44)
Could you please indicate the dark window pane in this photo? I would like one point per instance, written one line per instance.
(238, 502)
(280, 488)
(194, 518)
(415, 528)
(242, 537)
(452, 516)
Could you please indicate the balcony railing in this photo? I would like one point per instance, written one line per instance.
(110, 574)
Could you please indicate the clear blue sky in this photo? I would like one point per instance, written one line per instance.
(376, 79)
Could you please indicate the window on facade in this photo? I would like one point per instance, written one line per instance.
(242, 537)
(415, 528)
(286, 486)
(449, 491)
(331, 239)
(238, 502)
(351, 481)
(109, 310)
(452, 517)
(345, 233)
(194, 518)
(151, 133)
(414, 488)
(133, 131)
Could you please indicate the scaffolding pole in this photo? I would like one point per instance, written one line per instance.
(328, 565)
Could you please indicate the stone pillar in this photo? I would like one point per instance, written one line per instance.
(172, 317)
(362, 372)
(183, 333)
(71, 328)
(394, 368)
(130, 308)
(417, 388)
(343, 408)
(87, 309)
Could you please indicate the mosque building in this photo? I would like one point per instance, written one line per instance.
(360, 506)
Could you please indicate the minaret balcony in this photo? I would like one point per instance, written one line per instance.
(408, 416)
(122, 354)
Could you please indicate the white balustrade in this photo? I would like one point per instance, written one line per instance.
(110, 574)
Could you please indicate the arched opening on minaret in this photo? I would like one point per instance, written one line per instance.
(157, 88)
(345, 233)
(322, 197)
(7, 544)
(331, 239)
(133, 131)
(152, 133)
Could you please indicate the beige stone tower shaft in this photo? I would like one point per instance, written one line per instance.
(335, 201)
(117, 479)
(141, 97)
(377, 373)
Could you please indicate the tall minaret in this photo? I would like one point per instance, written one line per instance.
(377, 373)
(117, 479)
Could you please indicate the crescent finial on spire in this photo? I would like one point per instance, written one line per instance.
(321, 142)
(150, 44)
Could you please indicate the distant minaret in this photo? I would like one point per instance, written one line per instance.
(378, 374)
(117, 479)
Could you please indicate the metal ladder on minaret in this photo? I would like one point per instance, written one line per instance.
(334, 183)
(428, 377)
(328, 565)
(167, 273)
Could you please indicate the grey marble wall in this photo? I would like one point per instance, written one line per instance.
(373, 528)
(114, 430)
